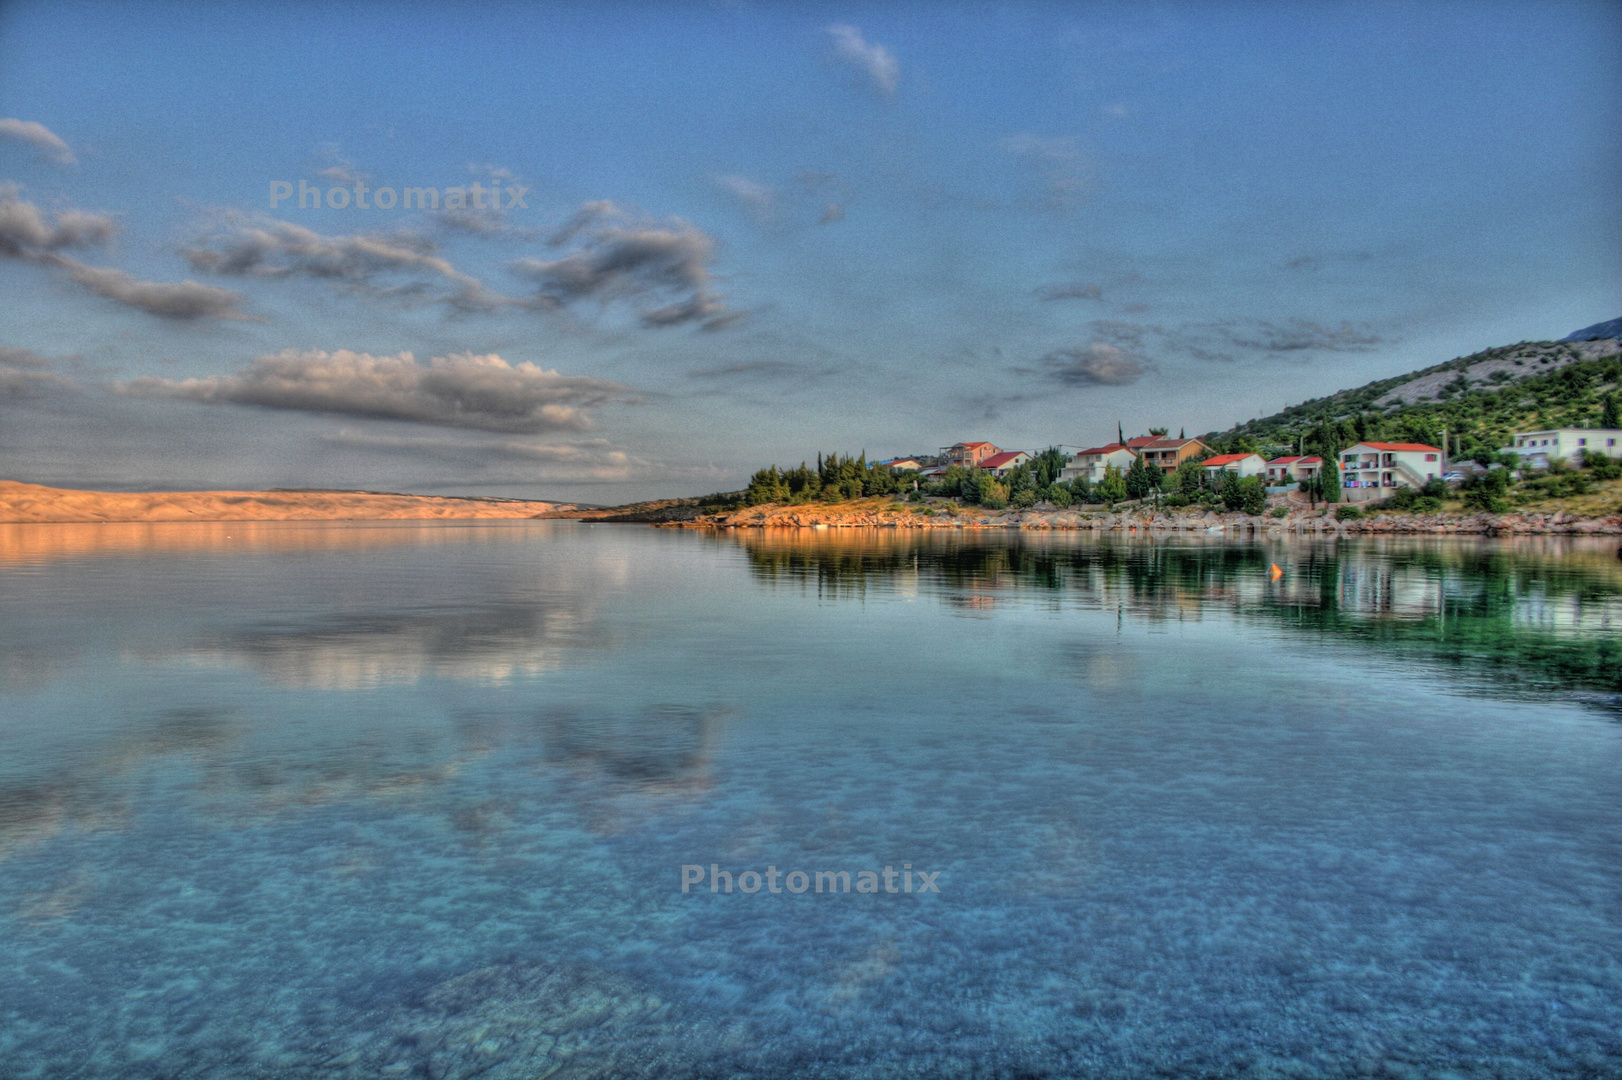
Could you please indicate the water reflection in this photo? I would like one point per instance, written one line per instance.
(1529, 612)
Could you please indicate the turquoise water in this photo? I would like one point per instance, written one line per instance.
(399, 799)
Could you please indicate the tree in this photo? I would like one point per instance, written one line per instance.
(1253, 495)
(1048, 465)
(1229, 491)
(1608, 412)
(1112, 489)
(1159, 432)
(1138, 484)
(1329, 479)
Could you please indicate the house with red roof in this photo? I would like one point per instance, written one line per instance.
(1289, 470)
(1372, 470)
(1242, 464)
(1004, 462)
(1090, 464)
(967, 454)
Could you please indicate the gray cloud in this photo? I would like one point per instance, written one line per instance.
(584, 459)
(1075, 290)
(1097, 364)
(1218, 341)
(379, 265)
(870, 58)
(462, 390)
(24, 373)
(172, 300)
(40, 137)
(621, 257)
(28, 234)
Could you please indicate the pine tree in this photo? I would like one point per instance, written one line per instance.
(1608, 414)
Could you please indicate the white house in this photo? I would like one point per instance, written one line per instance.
(1242, 464)
(905, 463)
(1001, 464)
(1538, 447)
(1370, 470)
(1090, 464)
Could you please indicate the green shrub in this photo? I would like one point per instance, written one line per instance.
(1023, 498)
(1058, 495)
(1178, 499)
(1281, 511)
(1347, 513)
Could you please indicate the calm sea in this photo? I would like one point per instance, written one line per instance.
(420, 800)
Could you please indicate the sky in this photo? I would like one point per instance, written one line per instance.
(732, 234)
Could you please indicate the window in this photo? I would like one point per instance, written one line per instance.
(1582, 442)
(1430, 457)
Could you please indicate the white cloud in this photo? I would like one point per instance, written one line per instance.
(757, 197)
(40, 137)
(871, 58)
(462, 390)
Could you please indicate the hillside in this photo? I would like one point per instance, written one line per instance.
(1479, 399)
(34, 503)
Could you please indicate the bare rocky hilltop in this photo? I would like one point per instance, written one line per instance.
(35, 503)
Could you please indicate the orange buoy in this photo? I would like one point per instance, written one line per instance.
(1275, 573)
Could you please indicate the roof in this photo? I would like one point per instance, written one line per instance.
(1296, 460)
(1402, 446)
(1170, 444)
(1107, 448)
(1006, 457)
(1137, 441)
(1226, 459)
(971, 445)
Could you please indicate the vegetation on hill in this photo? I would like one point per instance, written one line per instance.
(1480, 400)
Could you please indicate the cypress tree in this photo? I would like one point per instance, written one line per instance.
(1608, 414)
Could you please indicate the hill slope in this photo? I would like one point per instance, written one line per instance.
(1480, 400)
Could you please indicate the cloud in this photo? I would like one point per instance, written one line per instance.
(1097, 364)
(40, 137)
(1059, 160)
(757, 197)
(378, 265)
(622, 257)
(24, 373)
(341, 170)
(873, 59)
(1217, 341)
(585, 459)
(172, 300)
(28, 234)
(1075, 290)
(462, 390)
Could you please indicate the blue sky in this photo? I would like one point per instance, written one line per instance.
(751, 232)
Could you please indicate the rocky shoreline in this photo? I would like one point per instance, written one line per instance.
(1137, 519)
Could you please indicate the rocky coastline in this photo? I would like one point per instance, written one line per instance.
(869, 515)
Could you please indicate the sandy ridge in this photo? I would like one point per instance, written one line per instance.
(24, 503)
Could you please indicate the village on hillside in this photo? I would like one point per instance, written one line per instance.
(1166, 471)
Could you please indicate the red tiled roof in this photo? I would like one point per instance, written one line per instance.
(1170, 444)
(1140, 440)
(1226, 459)
(997, 461)
(1107, 448)
(1285, 460)
(972, 445)
(1403, 446)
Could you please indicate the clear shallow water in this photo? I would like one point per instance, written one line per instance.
(396, 799)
